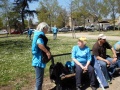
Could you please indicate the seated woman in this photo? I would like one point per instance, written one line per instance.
(82, 57)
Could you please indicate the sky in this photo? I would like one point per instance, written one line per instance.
(63, 3)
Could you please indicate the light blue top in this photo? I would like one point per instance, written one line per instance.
(36, 52)
(115, 45)
(54, 30)
(81, 54)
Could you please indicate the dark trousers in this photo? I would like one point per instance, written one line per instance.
(79, 72)
(54, 36)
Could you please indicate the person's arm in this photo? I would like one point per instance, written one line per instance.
(42, 47)
(114, 53)
(78, 63)
(88, 59)
(102, 59)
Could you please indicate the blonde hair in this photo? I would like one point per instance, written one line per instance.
(41, 26)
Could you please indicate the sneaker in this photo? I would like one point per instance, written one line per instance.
(93, 88)
(109, 81)
(78, 88)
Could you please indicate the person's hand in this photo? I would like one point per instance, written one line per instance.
(114, 60)
(85, 68)
(48, 55)
(108, 62)
(114, 55)
(82, 67)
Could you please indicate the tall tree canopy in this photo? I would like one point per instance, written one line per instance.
(22, 7)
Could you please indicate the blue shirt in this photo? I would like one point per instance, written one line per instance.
(81, 54)
(55, 30)
(115, 45)
(36, 52)
(30, 32)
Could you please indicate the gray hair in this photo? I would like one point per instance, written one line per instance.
(41, 26)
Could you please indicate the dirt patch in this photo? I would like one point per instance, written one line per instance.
(47, 85)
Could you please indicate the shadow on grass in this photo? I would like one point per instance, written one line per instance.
(14, 43)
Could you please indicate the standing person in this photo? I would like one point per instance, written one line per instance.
(38, 45)
(99, 52)
(30, 33)
(55, 30)
(117, 50)
(82, 57)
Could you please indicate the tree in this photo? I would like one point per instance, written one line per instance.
(51, 9)
(22, 7)
(1, 23)
(62, 18)
(113, 8)
(43, 14)
(5, 8)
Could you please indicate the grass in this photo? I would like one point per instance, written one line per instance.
(15, 58)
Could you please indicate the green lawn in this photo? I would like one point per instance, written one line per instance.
(15, 58)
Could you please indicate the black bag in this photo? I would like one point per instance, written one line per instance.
(44, 56)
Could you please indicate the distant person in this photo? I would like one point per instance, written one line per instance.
(30, 33)
(100, 53)
(82, 58)
(38, 45)
(55, 31)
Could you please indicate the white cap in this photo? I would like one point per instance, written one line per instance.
(101, 36)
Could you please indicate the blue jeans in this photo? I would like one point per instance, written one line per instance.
(99, 72)
(39, 77)
(104, 68)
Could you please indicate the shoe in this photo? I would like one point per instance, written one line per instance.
(93, 88)
(78, 88)
(109, 81)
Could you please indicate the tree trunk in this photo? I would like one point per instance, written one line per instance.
(22, 16)
(114, 17)
(84, 23)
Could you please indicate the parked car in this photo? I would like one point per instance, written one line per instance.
(26, 31)
(64, 29)
(89, 28)
(16, 32)
(111, 28)
(3, 31)
(79, 28)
